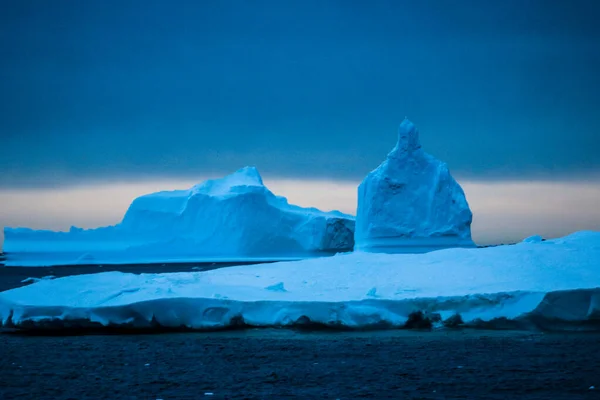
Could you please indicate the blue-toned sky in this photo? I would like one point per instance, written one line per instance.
(100, 92)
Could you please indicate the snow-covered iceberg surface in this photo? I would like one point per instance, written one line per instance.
(230, 219)
(550, 284)
(411, 203)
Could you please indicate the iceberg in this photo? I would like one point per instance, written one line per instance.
(552, 284)
(411, 203)
(235, 218)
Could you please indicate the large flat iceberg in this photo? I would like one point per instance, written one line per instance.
(553, 283)
(411, 203)
(230, 219)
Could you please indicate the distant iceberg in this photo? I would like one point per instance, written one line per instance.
(230, 219)
(411, 203)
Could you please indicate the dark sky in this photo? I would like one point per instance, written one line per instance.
(107, 89)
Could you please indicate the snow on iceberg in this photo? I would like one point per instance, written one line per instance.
(411, 203)
(230, 219)
(551, 284)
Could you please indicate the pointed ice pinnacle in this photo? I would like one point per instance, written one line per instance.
(408, 138)
(411, 203)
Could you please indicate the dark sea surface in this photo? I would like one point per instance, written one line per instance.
(274, 364)
(283, 363)
(12, 277)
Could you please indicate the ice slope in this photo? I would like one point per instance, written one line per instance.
(551, 284)
(233, 218)
(411, 203)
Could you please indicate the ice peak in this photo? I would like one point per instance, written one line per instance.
(408, 137)
(411, 203)
(243, 177)
(246, 176)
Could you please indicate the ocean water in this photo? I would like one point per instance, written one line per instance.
(274, 364)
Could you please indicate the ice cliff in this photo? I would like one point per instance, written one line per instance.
(233, 218)
(411, 203)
